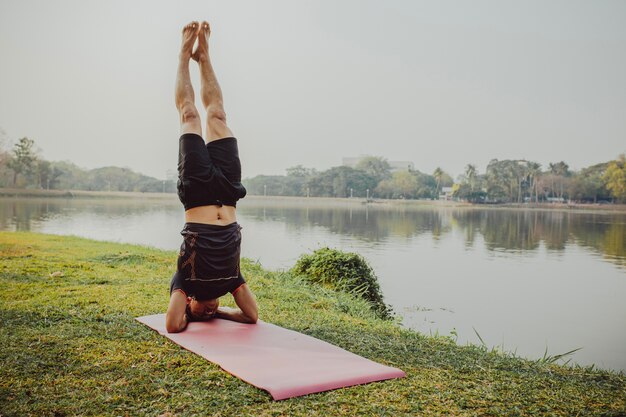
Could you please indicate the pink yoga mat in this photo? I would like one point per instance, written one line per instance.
(283, 362)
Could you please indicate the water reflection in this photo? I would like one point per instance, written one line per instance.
(508, 230)
(23, 213)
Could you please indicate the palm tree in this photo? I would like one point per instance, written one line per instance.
(471, 174)
(533, 170)
(438, 174)
(559, 169)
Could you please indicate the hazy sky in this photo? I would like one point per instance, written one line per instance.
(438, 83)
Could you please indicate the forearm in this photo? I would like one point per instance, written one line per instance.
(233, 314)
(183, 323)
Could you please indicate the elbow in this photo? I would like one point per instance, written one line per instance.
(172, 327)
(253, 318)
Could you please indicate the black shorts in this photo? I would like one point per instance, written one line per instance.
(208, 263)
(208, 174)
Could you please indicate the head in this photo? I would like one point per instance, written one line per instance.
(202, 310)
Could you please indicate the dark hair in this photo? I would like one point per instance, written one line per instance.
(191, 317)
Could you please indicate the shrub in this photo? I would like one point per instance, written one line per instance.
(343, 271)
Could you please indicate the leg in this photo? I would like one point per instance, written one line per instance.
(185, 99)
(210, 89)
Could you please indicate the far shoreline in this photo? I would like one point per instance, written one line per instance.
(319, 201)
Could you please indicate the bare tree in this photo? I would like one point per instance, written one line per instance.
(24, 159)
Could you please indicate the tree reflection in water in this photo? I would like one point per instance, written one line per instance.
(500, 229)
(21, 213)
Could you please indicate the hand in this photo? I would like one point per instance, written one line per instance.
(233, 314)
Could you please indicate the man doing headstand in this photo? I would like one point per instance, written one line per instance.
(209, 185)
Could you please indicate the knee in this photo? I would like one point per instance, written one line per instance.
(216, 113)
(188, 112)
(189, 116)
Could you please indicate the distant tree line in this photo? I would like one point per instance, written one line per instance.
(512, 181)
(22, 167)
(520, 181)
(505, 181)
(371, 177)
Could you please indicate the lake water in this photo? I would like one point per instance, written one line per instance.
(525, 280)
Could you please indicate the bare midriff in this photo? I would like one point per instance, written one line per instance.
(220, 215)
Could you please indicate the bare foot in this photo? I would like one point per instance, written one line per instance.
(202, 50)
(190, 32)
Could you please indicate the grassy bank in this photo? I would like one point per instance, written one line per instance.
(69, 346)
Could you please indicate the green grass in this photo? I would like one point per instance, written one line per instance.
(69, 345)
